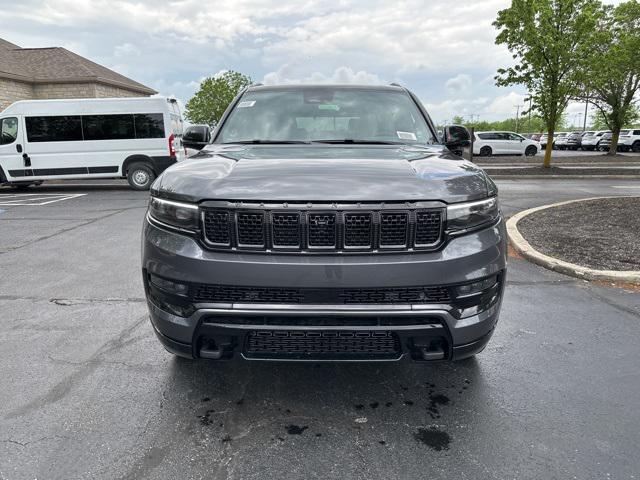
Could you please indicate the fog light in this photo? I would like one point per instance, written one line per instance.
(169, 286)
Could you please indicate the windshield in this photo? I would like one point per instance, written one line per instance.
(331, 114)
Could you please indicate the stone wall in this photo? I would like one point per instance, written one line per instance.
(107, 91)
(12, 91)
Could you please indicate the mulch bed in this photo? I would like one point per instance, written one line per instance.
(601, 234)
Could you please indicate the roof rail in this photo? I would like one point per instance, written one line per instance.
(395, 84)
(258, 84)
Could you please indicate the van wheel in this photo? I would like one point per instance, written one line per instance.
(531, 151)
(636, 146)
(140, 176)
(485, 152)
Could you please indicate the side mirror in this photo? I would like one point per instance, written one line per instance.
(196, 137)
(456, 137)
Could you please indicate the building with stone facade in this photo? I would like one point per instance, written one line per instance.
(41, 73)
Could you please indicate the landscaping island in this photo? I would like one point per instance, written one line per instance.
(601, 234)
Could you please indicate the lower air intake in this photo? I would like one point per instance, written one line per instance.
(322, 345)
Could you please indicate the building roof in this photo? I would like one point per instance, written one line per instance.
(59, 65)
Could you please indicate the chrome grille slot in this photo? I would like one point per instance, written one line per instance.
(357, 230)
(217, 227)
(394, 229)
(428, 227)
(250, 228)
(285, 229)
(322, 230)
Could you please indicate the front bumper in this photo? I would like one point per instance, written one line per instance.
(420, 331)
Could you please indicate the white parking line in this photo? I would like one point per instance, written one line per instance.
(36, 199)
(625, 186)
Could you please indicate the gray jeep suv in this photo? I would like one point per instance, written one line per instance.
(325, 223)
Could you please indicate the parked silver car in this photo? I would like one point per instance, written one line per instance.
(325, 223)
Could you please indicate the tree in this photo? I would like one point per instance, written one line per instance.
(613, 72)
(214, 96)
(600, 123)
(549, 40)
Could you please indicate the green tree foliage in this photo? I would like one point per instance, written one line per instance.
(549, 41)
(214, 96)
(599, 121)
(613, 70)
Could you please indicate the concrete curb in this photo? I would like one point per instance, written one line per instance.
(525, 249)
(566, 177)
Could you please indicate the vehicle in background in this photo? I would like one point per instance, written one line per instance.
(629, 140)
(573, 141)
(195, 138)
(503, 143)
(591, 142)
(605, 142)
(560, 140)
(535, 137)
(134, 138)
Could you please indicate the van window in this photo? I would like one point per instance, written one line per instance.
(54, 129)
(149, 125)
(108, 127)
(8, 130)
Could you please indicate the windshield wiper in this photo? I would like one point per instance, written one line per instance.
(267, 142)
(351, 141)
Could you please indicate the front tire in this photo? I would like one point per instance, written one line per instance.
(531, 151)
(485, 151)
(636, 146)
(140, 176)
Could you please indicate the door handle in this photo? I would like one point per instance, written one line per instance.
(19, 148)
(27, 160)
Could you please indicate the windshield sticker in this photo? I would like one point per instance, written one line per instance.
(328, 106)
(247, 103)
(406, 135)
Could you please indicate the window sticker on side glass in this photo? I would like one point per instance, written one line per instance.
(246, 104)
(406, 135)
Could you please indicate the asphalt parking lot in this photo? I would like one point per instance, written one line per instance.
(88, 392)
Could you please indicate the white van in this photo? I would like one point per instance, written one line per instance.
(136, 138)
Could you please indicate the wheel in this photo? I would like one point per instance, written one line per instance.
(485, 152)
(140, 176)
(636, 146)
(530, 151)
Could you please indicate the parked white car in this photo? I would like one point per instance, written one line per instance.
(136, 138)
(503, 143)
(629, 140)
(591, 142)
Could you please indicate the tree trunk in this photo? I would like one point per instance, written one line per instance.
(548, 149)
(615, 136)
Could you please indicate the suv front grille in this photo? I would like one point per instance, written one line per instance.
(206, 293)
(305, 344)
(309, 230)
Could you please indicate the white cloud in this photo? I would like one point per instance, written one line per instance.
(343, 75)
(458, 83)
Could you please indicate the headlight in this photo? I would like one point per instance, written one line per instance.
(174, 214)
(465, 216)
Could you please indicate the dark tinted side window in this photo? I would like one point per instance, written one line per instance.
(636, 132)
(108, 127)
(54, 129)
(149, 125)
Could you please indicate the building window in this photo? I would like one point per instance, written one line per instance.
(8, 130)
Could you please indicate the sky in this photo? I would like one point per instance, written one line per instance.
(444, 51)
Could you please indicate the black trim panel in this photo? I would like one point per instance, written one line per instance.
(31, 172)
(160, 164)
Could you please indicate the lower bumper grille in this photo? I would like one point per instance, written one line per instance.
(322, 345)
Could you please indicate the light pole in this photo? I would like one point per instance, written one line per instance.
(586, 106)
(530, 104)
(517, 115)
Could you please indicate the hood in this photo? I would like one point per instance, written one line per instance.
(322, 173)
